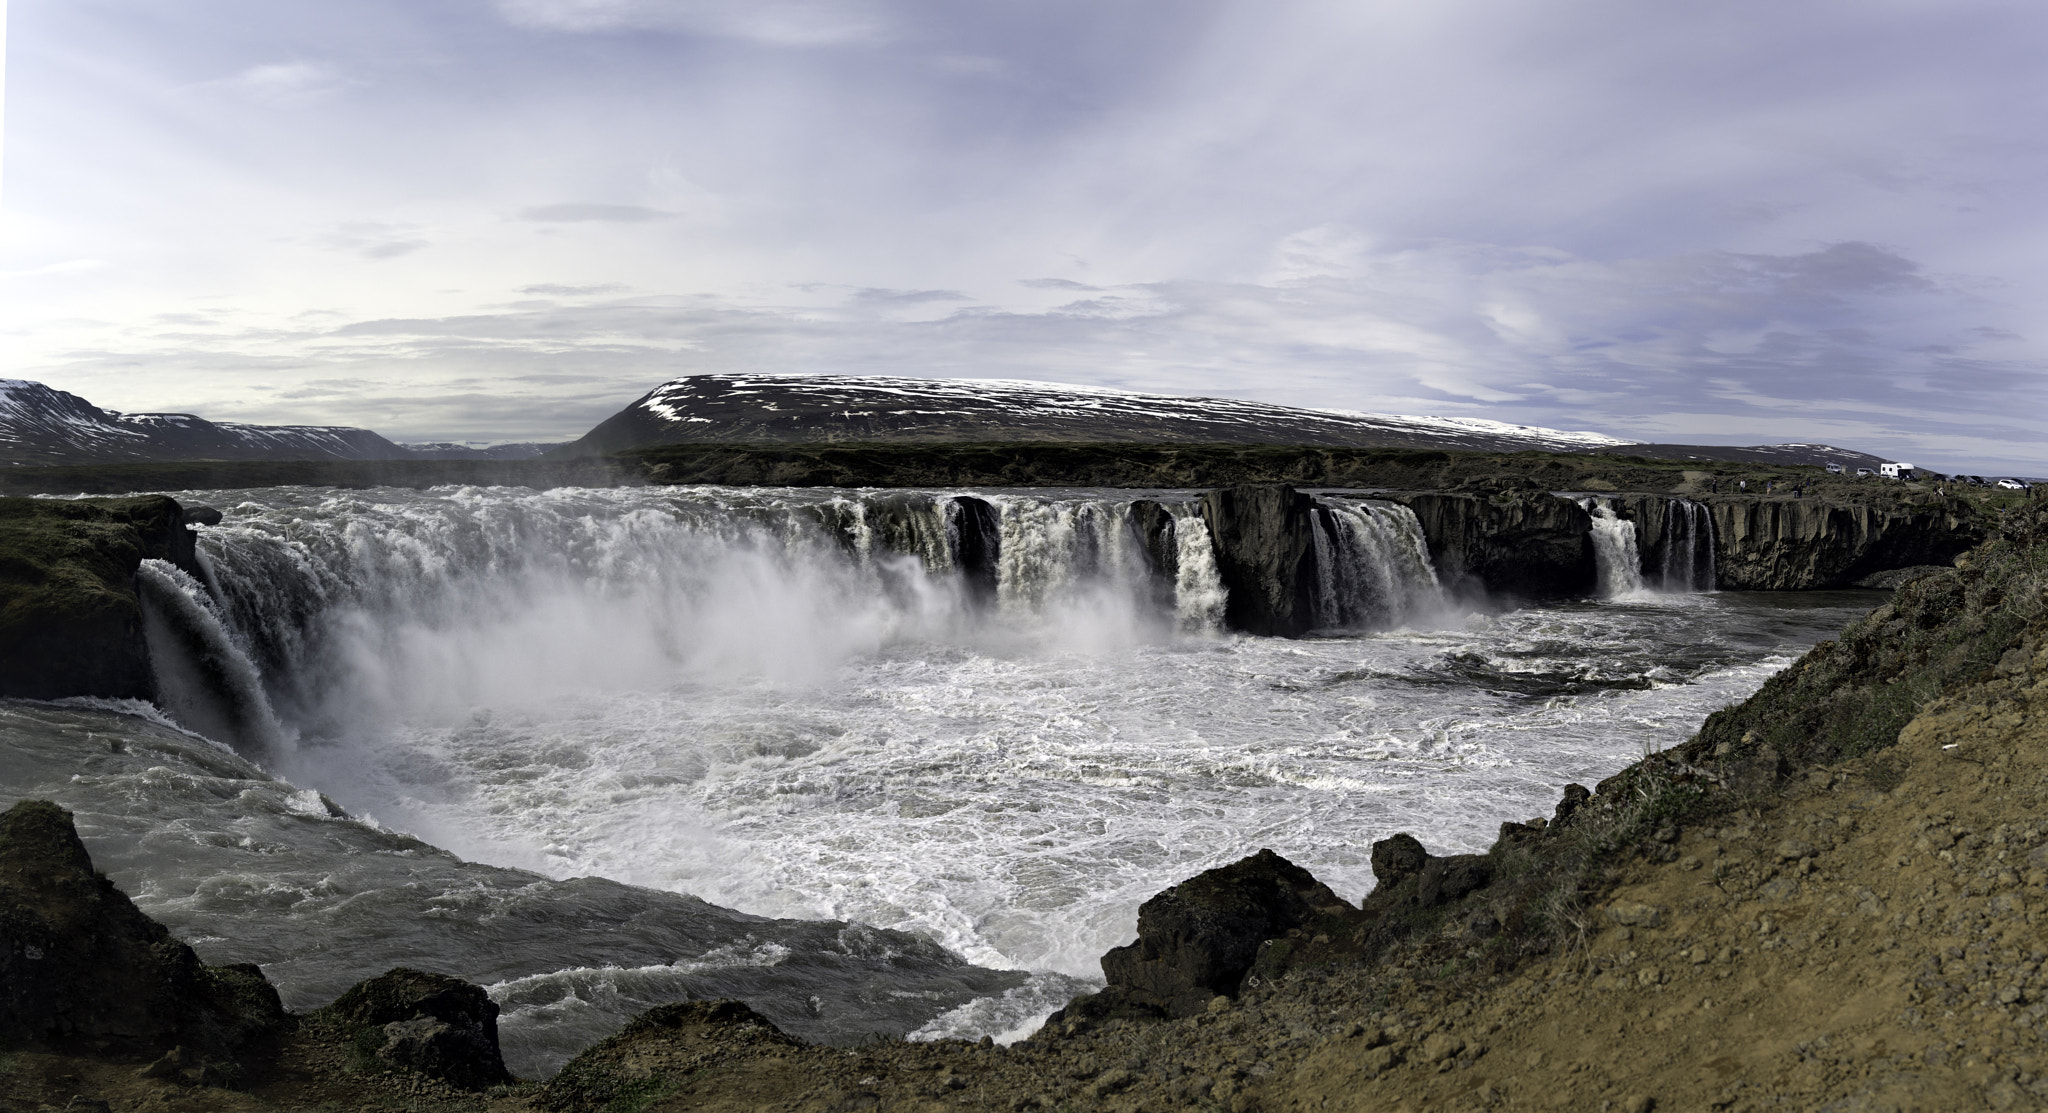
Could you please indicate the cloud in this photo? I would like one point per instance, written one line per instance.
(550, 289)
(576, 212)
(907, 297)
(283, 82)
(1718, 347)
(373, 239)
(772, 22)
(1740, 216)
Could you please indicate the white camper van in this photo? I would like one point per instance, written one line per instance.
(1895, 471)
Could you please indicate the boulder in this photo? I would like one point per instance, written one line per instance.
(440, 1026)
(1197, 940)
(1264, 538)
(1406, 875)
(1575, 797)
(82, 968)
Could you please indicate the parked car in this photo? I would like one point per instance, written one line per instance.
(2013, 485)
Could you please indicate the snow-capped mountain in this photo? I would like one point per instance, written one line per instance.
(759, 408)
(41, 425)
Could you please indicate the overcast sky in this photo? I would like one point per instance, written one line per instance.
(1736, 222)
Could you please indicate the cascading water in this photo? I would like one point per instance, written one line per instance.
(442, 603)
(1199, 595)
(1619, 564)
(203, 677)
(1373, 565)
(1688, 547)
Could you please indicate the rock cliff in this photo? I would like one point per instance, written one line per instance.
(1780, 544)
(1506, 537)
(1265, 554)
(70, 621)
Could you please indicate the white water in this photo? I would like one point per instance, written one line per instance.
(1615, 555)
(1373, 565)
(1688, 545)
(787, 702)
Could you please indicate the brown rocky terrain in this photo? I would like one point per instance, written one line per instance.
(1834, 897)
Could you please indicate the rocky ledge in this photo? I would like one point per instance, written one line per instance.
(70, 621)
(1833, 897)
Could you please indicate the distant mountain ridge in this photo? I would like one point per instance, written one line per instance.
(763, 408)
(42, 425)
(797, 409)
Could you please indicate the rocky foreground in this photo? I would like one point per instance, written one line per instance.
(1833, 897)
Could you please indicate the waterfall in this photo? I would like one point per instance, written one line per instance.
(204, 680)
(1053, 548)
(1372, 565)
(1198, 592)
(1614, 550)
(355, 609)
(1688, 547)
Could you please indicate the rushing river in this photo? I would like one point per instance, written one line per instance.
(602, 749)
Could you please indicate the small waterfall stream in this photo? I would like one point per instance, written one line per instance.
(1687, 546)
(1372, 564)
(1615, 555)
(1676, 556)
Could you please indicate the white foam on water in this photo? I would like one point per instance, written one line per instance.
(1011, 1016)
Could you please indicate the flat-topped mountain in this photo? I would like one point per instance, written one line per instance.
(758, 409)
(43, 425)
(854, 409)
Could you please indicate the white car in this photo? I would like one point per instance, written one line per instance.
(2012, 485)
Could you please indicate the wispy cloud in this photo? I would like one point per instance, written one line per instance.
(283, 82)
(555, 289)
(774, 22)
(580, 212)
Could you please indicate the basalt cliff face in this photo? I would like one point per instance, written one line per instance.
(1506, 538)
(71, 623)
(1800, 544)
(1265, 554)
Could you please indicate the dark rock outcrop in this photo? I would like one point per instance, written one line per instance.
(1408, 876)
(1156, 539)
(1197, 940)
(439, 1026)
(1265, 553)
(978, 545)
(1508, 537)
(1778, 544)
(81, 968)
(70, 621)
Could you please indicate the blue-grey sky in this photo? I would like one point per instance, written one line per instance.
(1735, 222)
